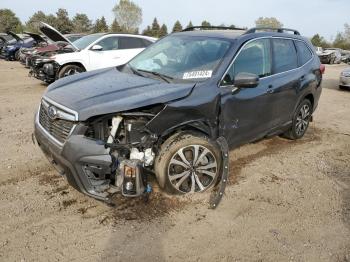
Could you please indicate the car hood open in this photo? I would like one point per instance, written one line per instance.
(108, 90)
(54, 35)
(36, 37)
(15, 36)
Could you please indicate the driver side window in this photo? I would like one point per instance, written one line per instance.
(254, 57)
(109, 43)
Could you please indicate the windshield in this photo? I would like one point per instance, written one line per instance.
(182, 57)
(85, 41)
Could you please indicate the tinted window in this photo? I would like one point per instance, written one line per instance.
(131, 42)
(109, 43)
(284, 54)
(255, 58)
(304, 52)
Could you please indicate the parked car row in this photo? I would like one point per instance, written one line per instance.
(60, 55)
(333, 55)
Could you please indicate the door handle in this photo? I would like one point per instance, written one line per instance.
(270, 89)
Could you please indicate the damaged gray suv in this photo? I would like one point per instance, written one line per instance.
(176, 108)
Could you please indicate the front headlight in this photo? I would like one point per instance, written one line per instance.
(345, 74)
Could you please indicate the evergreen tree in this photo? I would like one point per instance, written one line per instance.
(115, 27)
(81, 23)
(206, 23)
(100, 25)
(155, 28)
(177, 26)
(163, 31)
(147, 31)
(189, 25)
(63, 23)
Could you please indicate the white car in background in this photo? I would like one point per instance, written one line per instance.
(92, 52)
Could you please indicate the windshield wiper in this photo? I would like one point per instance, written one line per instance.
(162, 76)
(135, 71)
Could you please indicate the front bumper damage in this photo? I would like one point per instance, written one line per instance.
(90, 166)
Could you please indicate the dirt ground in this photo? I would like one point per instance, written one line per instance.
(287, 200)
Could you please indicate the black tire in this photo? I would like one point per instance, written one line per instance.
(344, 88)
(16, 56)
(188, 143)
(70, 70)
(300, 121)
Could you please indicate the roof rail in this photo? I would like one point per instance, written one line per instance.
(279, 30)
(193, 28)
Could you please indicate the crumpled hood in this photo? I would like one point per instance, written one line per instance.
(108, 90)
(327, 52)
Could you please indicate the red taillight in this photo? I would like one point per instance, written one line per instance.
(322, 68)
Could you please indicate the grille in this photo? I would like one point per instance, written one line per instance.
(58, 128)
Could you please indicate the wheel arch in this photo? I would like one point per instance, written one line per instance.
(195, 126)
(69, 63)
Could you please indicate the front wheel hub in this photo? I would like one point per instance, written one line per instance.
(192, 169)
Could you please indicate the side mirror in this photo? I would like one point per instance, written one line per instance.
(97, 48)
(246, 80)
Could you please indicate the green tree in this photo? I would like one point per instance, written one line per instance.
(155, 28)
(341, 41)
(189, 25)
(147, 31)
(115, 27)
(100, 25)
(163, 31)
(9, 21)
(128, 15)
(63, 23)
(268, 22)
(206, 23)
(33, 23)
(318, 40)
(177, 26)
(81, 23)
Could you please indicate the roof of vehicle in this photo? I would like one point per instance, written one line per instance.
(234, 33)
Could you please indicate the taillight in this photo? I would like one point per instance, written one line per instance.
(322, 68)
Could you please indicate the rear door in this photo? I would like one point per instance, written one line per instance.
(284, 82)
(130, 47)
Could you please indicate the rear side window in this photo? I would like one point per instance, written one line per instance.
(131, 43)
(304, 52)
(255, 58)
(284, 55)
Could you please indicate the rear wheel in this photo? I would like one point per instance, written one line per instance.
(69, 70)
(188, 163)
(17, 55)
(300, 121)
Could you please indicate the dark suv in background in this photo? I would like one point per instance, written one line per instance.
(170, 110)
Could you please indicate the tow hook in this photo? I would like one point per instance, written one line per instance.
(219, 189)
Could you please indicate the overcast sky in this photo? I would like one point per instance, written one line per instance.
(326, 17)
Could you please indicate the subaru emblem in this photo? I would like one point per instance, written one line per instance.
(52, 112)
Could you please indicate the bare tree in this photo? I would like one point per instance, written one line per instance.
(128, 15)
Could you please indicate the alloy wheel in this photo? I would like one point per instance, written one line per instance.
(192, 169)
(302, 120)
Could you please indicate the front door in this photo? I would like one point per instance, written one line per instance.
(109, 56)
(245, 111)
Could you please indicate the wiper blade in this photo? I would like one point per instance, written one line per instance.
(162, 76)
(135, 71)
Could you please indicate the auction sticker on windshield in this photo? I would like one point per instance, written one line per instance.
(197, 74)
